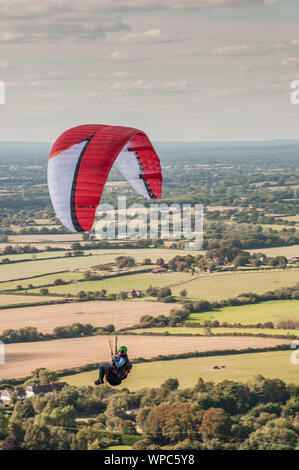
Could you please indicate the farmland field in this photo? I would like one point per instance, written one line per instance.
(277, 227)
(220, 331)
(222, 286)
(288, 251)
(262, 312)
(242, 367)
(32, 256)
(33, 268)
(38, 281)
(35, 237)
(46, 317)
(117, 284)
(22, 358)
(6, 299)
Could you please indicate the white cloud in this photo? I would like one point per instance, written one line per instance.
(288, 45)
(170, 86)
(122, 74)
(35, 21)
(18, 84)
(233, 50)
(152, 36)
(117, 55)
(240, 50)
(291, 62)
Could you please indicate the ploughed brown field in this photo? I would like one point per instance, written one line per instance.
(7, 299)
(23, 358)
(46, 317)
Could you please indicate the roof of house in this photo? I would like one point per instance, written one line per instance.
(37, 388)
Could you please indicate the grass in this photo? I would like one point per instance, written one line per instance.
(118, 448)
(241, 367)
(278, 227)
(38, 281)
(7, 300)
(219, 331)
(288, 251)
(33, 268)
(32, 256)
(115, 285)
(251, 314)
(222, 286)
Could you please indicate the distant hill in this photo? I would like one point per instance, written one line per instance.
(19, 151)
(202, 152)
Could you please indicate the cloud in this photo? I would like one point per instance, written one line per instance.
(170, 86)
(117, 55)
(122, 74)
(287, 45)
(20, 84)
(152, 36)
(239, 50)
(291, 62)
(35, 21)
(259, 89)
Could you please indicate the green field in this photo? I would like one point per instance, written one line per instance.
(288, 251)
(273, 310)
(221, 286)
(32, 256)
(49, 279)
(219, 331)
(267, 227)
(117, 284)
(241, 367)
(38, 281)
(118, 448)
(33, 268)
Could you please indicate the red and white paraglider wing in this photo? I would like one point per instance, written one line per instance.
(80, 162)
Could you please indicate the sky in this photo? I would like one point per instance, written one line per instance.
(181, 70)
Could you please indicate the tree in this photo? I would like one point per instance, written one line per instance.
(3, 424)
(44, 291)
(127, 427)
(143, 444)
(160, 262)
(164, 292)
(216, 423)
(11, 443)
(268, 438)
(187, 444)
(24, 409)
(183, 293)
(240, 261)
(170, 384)
(76, 246)
(37, 437)
(271, 390)
(174, 422)
(47, 376)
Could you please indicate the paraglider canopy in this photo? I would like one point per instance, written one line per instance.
(80, 162)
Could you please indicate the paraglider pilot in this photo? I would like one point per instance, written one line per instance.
(117, 371)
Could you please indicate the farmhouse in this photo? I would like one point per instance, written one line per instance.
(133, 293)
(161, 269)
(30, 391)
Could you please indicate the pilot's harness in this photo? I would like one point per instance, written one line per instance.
(114, 352)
